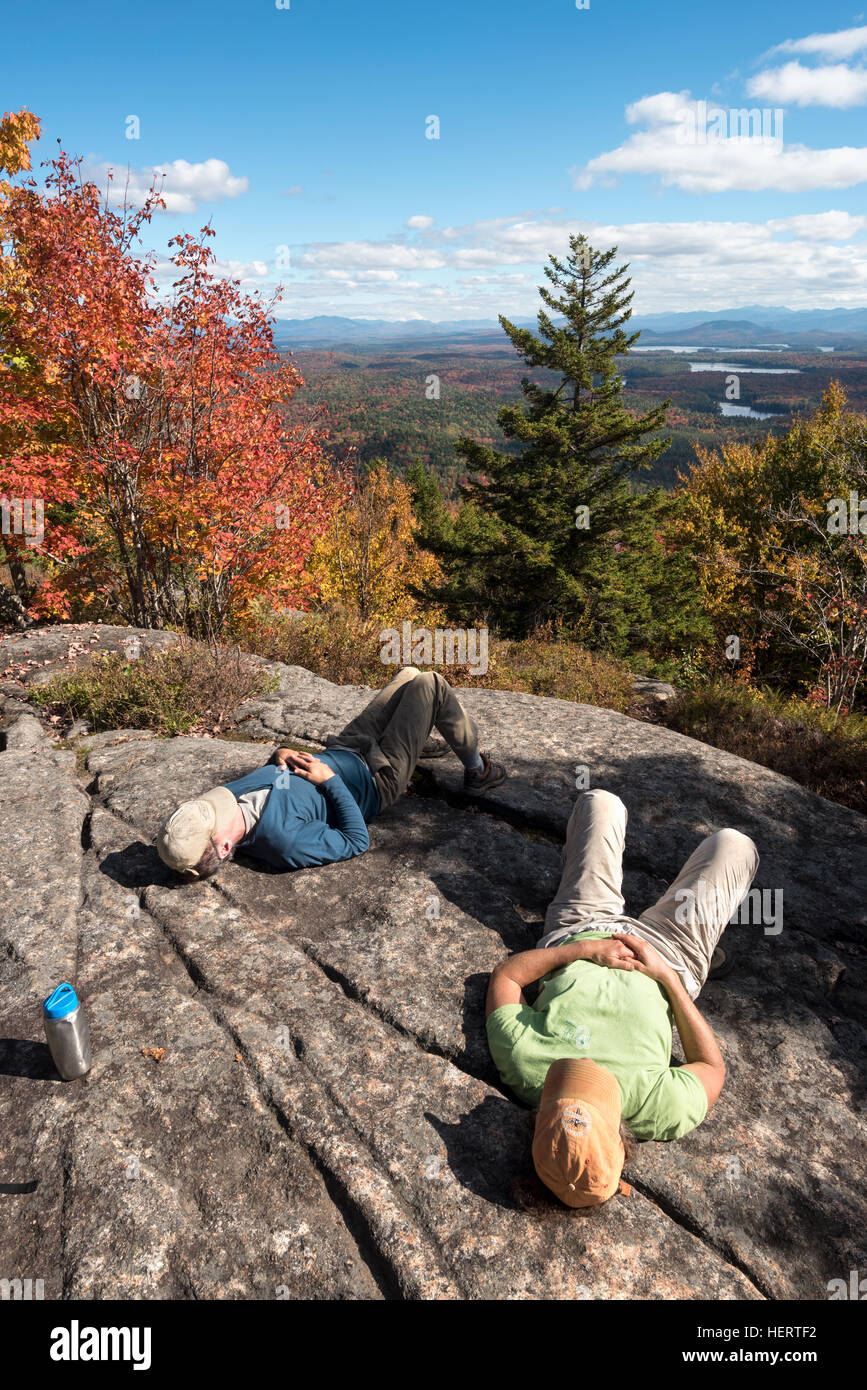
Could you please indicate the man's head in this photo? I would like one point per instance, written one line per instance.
(578, 1149)
(201, 834)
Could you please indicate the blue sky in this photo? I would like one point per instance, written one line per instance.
(300, 134)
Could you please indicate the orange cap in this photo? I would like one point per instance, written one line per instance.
(577, 1149)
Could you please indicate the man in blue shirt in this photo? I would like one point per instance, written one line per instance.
(301, 810)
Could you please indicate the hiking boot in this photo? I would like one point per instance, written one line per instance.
(491, 775)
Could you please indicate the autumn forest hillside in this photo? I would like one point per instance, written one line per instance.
(376, 402)
(597, 511)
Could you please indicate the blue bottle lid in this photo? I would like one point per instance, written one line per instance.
(61, 1002)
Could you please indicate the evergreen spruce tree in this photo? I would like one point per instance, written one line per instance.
(532, 554)
(460, 542)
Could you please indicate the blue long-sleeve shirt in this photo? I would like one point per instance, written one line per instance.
(304, 824)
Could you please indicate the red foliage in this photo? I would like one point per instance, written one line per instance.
(154, 428)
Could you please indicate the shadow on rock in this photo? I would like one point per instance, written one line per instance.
(489, 1152)
(475, 1057)
(21, 1057)
(139, 866)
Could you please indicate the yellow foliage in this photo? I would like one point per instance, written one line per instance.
(368, 560)
(17, 129)
(748, 551)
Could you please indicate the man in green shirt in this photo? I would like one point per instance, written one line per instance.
(594, 1051)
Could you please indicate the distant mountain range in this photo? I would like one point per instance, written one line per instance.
(329, 330)
(776, 318)
(757, 325)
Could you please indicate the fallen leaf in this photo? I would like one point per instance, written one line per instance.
(158, 1053)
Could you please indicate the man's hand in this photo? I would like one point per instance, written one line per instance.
(508, 979)
(613, 952)
(703, 1056)
(304, 765)
(647, 959)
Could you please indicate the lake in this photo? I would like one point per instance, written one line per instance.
(729, 408)
(738, 367)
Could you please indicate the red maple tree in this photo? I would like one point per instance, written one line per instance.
(177, 491)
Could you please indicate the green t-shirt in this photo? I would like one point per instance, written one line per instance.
(619, 1018)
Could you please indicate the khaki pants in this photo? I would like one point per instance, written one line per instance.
(392, 730)
(690, 917)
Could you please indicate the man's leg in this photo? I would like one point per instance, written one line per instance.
(592, 878)
(426, 702)
(371, 723)
(693, 913)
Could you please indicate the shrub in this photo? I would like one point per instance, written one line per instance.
(343, 648)
(545, 664)
(790, 736)
(189, 688)
(338, 646)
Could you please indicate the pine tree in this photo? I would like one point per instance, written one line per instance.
(460, 538)
(560, 533)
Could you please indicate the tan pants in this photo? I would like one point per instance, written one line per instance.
(690, 917)
(391, 731)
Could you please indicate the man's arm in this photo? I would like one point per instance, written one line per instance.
(703, 1057)
(317, 843)
(511, 975)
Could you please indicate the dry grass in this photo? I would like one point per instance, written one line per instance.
(337, 647)
(548, 665)
(786, 735)
(346, 650)
(190, 688)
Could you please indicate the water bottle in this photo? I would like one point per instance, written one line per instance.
(67, 1032)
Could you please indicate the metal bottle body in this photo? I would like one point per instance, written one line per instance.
(69, 1041)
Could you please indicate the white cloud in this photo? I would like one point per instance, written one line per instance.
(248, 272)
(419, 223)
(842, 44)
(370, 255)
(793, 84)
(371, 277)
(717, 166)
(663, 108)
(294, 190)
(503, 279)
(182, 185)
(485, 255)
(819, 226)
(806, 260)
(241, 270)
